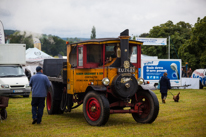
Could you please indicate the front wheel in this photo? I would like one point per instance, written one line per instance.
(148, 108)
(96, 109)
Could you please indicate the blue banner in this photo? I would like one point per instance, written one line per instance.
(153, 70)
(153, 41)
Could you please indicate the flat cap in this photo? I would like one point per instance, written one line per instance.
(38, 68)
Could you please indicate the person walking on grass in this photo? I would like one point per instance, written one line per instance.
(164, 86)
(39, 84)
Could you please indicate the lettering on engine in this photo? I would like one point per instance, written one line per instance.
(126, 70)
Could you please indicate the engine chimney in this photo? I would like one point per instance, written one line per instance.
(124, 44)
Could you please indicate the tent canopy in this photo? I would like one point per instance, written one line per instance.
(148, 57)
(36, 55)
(133, 58)
(34, 58)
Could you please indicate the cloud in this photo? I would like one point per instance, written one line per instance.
(75, 18)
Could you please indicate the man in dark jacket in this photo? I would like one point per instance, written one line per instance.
(164, 86)
(28, 73)
(39, 85)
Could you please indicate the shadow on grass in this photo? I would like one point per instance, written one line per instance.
(114, 119)
(73, 115)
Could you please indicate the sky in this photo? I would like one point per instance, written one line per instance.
(75, 18)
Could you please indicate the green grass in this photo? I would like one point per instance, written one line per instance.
(184, 118)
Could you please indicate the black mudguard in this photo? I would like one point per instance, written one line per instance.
(101, 88)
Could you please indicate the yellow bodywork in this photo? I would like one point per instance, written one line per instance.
(78, 79)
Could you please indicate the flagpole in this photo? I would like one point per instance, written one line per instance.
(169, 49)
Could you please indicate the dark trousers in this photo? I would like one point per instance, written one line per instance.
(163, 95)
(38, 104)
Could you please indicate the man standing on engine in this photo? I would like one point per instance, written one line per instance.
(164, 86)
(39, 85)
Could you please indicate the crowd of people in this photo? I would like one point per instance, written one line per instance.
(187, 73)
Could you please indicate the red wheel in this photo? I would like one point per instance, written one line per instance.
(148, 107)
(93, 109)
(96, 109)
(145, 106)
(48, 101)
(52, 100)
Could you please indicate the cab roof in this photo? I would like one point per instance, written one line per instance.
(104, 41)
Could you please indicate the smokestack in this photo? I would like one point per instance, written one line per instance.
(124, 44)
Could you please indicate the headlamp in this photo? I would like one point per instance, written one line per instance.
(4, 86)
(140, 81)
(105, 81)
(27, 86)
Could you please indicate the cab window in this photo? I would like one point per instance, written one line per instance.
(133, 54)
(80, 56)
(110, 50)
(94, 53)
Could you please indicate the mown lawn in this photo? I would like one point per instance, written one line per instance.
(184, 118)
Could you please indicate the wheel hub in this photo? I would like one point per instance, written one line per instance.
(93, 109)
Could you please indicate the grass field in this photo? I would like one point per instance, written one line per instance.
(184, 118)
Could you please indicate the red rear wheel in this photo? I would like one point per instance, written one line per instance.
(48, 101)
(148, 107)
(53, 99)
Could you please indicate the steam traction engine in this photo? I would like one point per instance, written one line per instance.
(98, 74)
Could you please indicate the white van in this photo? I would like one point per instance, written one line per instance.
(201, 74)
(13, 80)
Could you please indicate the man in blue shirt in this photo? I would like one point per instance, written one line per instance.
(39, 85)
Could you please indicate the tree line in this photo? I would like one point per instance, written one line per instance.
(186, 42)
(52, 45)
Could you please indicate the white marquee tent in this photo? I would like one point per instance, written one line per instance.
(134, 57)
(34, 58)
(148, 57)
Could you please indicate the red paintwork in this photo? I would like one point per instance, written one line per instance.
(144, 107)
(85, 64)
(95, 114)
(138, 64)
(48, 101)
(140, 105)
(123, 111)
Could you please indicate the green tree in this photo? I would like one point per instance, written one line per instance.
(193, 50)
(18, 37)
(93, 35)
(53, 45)
(73, 40)
(178, 33)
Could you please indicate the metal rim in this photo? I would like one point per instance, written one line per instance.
(48, 100)
(93, 109)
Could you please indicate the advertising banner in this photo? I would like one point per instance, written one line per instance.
(153, 70)
(2, 36)
(153, 41)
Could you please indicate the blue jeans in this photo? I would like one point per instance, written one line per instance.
(38, 104)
